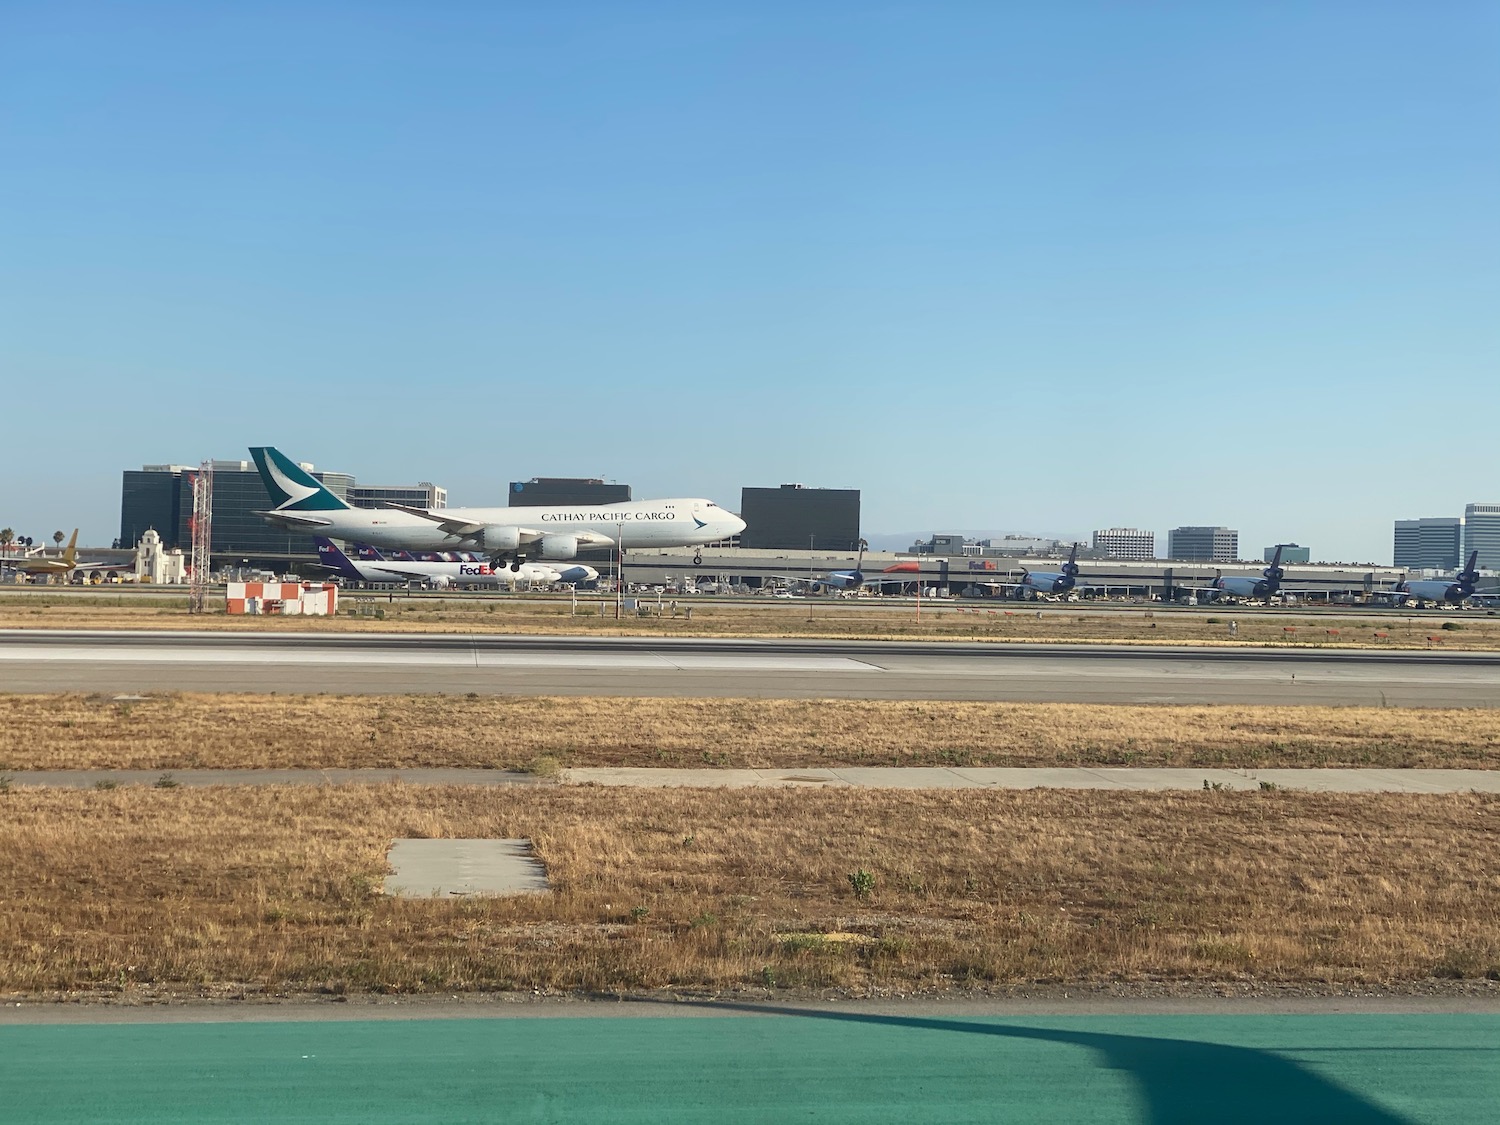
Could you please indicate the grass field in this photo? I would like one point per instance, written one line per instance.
(266, 731)
(139, 890)
(814, 618)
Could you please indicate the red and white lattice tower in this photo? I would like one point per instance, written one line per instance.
(201, 525)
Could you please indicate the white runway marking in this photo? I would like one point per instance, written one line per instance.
(457, 658)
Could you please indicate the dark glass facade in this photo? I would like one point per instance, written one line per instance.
(557, 492)
(163, 499)
(150, 499)
(793, 518)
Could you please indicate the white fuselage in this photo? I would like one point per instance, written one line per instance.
(458, 573)
(636, 523)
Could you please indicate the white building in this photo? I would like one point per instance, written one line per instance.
(153, 563)
(1126, 543)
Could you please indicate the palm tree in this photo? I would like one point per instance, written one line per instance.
(7, 537)
(58, 537)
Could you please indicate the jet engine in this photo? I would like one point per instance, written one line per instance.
(559, 546)
(440, 581)
(497, 538)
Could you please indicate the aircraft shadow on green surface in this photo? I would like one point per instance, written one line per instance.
(1181, 1081)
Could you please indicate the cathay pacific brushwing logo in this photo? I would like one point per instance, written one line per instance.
(291, 488)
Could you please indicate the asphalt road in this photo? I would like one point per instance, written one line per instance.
(115, 661)
(832, 1063)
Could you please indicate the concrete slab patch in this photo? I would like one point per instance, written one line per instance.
(441, 868)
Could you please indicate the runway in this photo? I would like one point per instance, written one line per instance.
(118, 661)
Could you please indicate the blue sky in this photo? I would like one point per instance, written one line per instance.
(1033, 267)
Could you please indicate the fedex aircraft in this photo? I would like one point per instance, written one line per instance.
(1456, 592)
(301, 503)
(1259, 589)
(1044, 583)
(445, 574)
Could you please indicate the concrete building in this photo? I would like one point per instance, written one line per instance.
(1482, 533)
(1431, 543)
(1125, 543)
(1208, 544)
(423, 494)
(796, 518)
(558, 492)
(1290, 553)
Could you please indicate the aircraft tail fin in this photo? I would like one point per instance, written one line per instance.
(1274, 571)
(70, 556)
(292, 488)
(331, 556)
(1070, 568)
(1469, 575)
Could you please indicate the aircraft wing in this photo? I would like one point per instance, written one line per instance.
(295, 519)
(463, 529)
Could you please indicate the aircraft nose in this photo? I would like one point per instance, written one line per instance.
(736, 525)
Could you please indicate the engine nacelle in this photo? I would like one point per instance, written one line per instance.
(440, 581)
(559, 546)
(501, 538)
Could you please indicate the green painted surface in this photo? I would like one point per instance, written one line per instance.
(824, 1066)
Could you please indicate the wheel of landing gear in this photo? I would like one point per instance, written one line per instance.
(697, 559)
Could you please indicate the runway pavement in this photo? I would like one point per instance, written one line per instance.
(847, 777)
(37, 661)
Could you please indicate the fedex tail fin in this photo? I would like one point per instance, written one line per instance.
(1468, 576)
(335, 560)
(292, 488)
(1070, 568)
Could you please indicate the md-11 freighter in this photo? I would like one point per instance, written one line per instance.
(443, 575)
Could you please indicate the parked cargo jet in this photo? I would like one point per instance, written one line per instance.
(1043, 583)
(301, 503)
(1267, 586)
(848, 581)
(445, 574)
(1454, 592)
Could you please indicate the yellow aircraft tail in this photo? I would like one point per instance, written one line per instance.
(70, 556)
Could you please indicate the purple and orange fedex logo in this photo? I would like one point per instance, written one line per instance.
(474, 569)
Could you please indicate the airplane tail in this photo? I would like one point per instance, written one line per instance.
(1468, 576)
(1070, 568)
(1274, 571)
(70, 556)
(334, 559)
(292, 488)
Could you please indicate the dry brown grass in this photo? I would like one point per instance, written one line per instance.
(815, 618)
(277, 889)
(267, 731)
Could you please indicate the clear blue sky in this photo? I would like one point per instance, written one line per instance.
(1039, 267)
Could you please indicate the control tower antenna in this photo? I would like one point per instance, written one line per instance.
(201, 525)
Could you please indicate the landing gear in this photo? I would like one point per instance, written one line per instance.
(697, 558)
